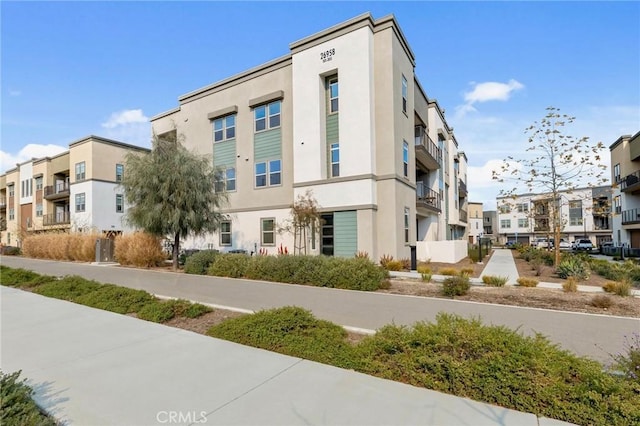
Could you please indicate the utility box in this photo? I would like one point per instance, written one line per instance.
(104, 250)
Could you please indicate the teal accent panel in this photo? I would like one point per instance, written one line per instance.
(224, 153)
(333, 132)
(267, 145)
(345, 234)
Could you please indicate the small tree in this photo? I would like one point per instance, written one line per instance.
(560, 164)
(171, 192)
(305, 221)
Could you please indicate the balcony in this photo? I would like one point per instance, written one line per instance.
(463, 215)
(3, 203)
(428, 155)
(57, 191)
(631, 217)
(427, 200)
(462, 189)
(60, 218)
(631, 182)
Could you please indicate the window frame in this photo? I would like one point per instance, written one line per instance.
(11, 190)
(616, 173)
(120, 204)
(407, 221)
(224, 233)
(269, 174)
(39, 183)
(405, 158)
(523, 222)
(334, 166)
(505, 223)
(333, 82)
(81, 171)
(11, 214)
(225, 128)
(263, 232)
(120, 172)
(405, 94)
(39, 209)
(267, 116)
(83, 204)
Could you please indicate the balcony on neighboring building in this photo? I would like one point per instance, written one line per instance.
(427, 152)
(57, 191)
(463, 215)
(59, 218)
(462, 189)
(427, 200)
(631, 182)
(631, 217)
(3, 203)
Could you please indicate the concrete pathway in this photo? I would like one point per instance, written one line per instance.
(502, 264)
(92, 367)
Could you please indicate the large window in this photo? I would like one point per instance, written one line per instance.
(268, 232)
(119, 172)
(268, 173)
(575, 212)
(523, 223)
(226, 180)
(335, 159)
(224, 128)
(504, 208)
(616, 173)
(39, 210)
(617, 205)
(406, 224)
(505, 223)
(405, 91)
(39, 183)
(80, 171)
(11, 190)
(225, 233)
(275, 172)
(119, 203)
(523, 207)
(80, 202)
(267, 116)
(12, 213)
(333, 95)
(405, 158)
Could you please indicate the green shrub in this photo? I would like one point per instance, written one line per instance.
(11, 251)
(601, 301)
(456, 286)
(537, 264)
(354, 274)
(156, 311)
(22, 278)
(494, 281)
(573, 267)
(68, 288)
(17, 408)
(629, 361)
(198, 263)
(196, 310)
(116, 299)
(426, 277)
(424, 269)
(229, 265)
(570, 285)
(291, 331)
(527, 282)
(448, 271)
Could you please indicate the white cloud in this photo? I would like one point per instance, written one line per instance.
(13, 92)
(124, 118)
(32, 150)
(485, 92)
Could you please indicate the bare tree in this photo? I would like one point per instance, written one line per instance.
(304, 222)
(554, 164)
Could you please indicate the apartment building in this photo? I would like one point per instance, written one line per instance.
(490, 224)
(76, 190)
(625, 175)
(476, 225)
(341, 115)
(584, 213)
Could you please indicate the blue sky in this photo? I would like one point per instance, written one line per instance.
(70, 69)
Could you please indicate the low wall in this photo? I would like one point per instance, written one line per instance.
(441, 251)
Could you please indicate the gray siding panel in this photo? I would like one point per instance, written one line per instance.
(224, 153)
(345, 233)
(333, 132)
(267, 145)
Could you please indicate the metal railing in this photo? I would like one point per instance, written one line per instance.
(631, 216)
(423, 139)
(427, 196)
(60, 188)
(463, 215)
(59, 218)
(631, 180)
(462, 188)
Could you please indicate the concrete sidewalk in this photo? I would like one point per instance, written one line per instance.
(92, 367)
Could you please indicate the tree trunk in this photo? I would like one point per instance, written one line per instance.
(176, 250)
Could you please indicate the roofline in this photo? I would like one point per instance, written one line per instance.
(439, 109)
(620, 140)
(533, 194)
(164, 114)
(99, 139)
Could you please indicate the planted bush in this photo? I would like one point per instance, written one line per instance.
(68, 288)
(494, 281)
(156, 311)
(456, 286)
(570, 285)
(629, 361)
(22, 278)
(620, 288)
(354, 274)
(116, 299)
(424, 269)
(448, 271)
(60, 246)
(426, 277)
(138, 249)
(199, 263)
(601, 301)
(527, 282)
(229, 265)
(573, 267)
(16, 404)
(393, 265)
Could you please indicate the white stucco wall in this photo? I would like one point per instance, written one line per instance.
(100, 207)
(441, 251)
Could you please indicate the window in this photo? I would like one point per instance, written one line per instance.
(39, 183)
(39, 210)
(405, 158)
(26, 188)
(12, 213)
(504, 208)
(119, 172)
(80, 199)
(274, 172)
(523, 208)
(261, 175)
(225, 180)
(272, 169)
(616, 173)
(11, 190)
(264, 112)
(333, 95)
(225, 233)
(617, 206)
(80, 171)
(404, 94)
(406, 224)
(335, 159)
(119, 203)
(505, 223)
(224, 128)
(523, 223)
(575, 212)
(267, 234)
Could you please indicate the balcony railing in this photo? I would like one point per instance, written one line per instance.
(630, 217)
(3, 203)
(60, 218)
(427, 152)
(463, 215)
(462, 188)
(59, 190)
(427, 197)
(630, 182)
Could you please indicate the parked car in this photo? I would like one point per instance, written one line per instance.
(565, 245)
(543, 243)
(606, 246)
(583, 245)
(510, 244)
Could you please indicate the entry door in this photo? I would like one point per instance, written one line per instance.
(326, 236)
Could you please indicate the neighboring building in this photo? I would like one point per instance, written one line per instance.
(75, 190)
(344, 116)
(585, 213)
(476, 222)
(490, 224)
(625, 175)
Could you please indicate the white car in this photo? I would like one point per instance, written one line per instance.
(542, 243)
(583, 245)
(565, 245)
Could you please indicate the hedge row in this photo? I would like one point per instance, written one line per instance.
(321, 271)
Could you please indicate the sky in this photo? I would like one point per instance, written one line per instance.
(72, 69)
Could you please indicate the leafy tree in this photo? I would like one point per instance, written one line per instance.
(560, 164)
(171, 192)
